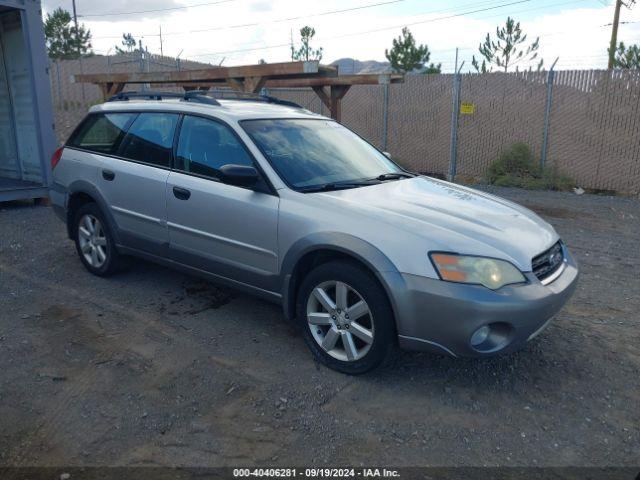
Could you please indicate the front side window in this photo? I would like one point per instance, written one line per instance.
(101, 133)
(206, 145)
(150, 139)
(308, 152)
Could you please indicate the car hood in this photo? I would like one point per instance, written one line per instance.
(454, 218)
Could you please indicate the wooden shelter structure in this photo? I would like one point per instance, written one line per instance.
(324, 80)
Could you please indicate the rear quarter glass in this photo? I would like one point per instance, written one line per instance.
(101, 133)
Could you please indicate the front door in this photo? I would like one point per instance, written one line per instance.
(224, 229)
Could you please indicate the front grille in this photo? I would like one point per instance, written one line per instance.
(548, 262)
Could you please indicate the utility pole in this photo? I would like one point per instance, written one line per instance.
(75, 21)
(455, 113)
(614, 34)
(614, 30)
(161, 51)
(291, 40)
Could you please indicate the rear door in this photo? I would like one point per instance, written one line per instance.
(224, 229)
(134, 181)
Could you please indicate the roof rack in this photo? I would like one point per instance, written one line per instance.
(201, 96)
(191, 96)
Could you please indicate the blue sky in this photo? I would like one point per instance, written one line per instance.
(243, 31)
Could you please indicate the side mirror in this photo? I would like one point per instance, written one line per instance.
(387, 154)
(239, 175)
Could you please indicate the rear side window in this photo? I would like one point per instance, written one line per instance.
(101, 133)
(206, 145)
(150, 138)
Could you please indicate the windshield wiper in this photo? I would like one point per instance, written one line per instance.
(328, 187)
(393, 176)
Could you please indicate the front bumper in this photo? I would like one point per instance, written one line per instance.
(433, 315)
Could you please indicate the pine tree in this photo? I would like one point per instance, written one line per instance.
(405, 56)
(128, 42)
(306, 52)
(627, 57)
(508, 50)
(62, 40)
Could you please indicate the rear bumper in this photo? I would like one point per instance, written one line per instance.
(58, 196)
(438, 316)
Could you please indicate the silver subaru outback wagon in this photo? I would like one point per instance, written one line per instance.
(296, 208)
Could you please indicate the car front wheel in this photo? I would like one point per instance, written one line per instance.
(346, 317)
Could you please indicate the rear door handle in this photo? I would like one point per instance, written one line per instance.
(108, 175)
(181, 193)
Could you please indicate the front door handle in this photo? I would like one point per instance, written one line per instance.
(181, 193)
(108, 175)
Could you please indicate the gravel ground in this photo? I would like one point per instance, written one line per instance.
(152, 367)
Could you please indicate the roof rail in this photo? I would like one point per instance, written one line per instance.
(250, 97)
(278, 101)
(191, 96)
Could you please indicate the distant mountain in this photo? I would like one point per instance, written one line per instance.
(348, 66)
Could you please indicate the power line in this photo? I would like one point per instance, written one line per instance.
(289, 19)
(436, 52)
(155, 10)
(268, 47)
(395, 27)
(249, 48)
(540, 8)
(279, 20)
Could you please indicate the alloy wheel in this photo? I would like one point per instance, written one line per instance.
(340, 320)
(92, 240)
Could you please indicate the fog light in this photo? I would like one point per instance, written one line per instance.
(480, 336)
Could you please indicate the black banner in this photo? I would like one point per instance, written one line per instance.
(408, 473)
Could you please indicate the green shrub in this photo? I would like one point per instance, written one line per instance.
(517, 167)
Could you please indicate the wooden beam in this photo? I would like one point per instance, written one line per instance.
(254, 84)
(320, 91)
(368, 79)
(213, 74)
(337, 94)
(333, 101)
(236, 83)
(110, 89)
(190, 87)
(320, 82)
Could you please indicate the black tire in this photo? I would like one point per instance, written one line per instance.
(381, 314)
(113, 260)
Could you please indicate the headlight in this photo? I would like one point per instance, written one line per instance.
(490, 272)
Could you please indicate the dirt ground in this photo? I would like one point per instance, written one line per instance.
(152, 367)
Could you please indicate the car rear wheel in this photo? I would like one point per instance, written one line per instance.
(346, 317)
(94, 242)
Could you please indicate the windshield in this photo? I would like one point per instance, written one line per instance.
(309, 153)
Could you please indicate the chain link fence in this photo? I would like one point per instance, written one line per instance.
(591, 117)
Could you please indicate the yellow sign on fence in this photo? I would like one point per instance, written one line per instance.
(467, 108)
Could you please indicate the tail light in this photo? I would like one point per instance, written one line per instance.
(55, 158)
